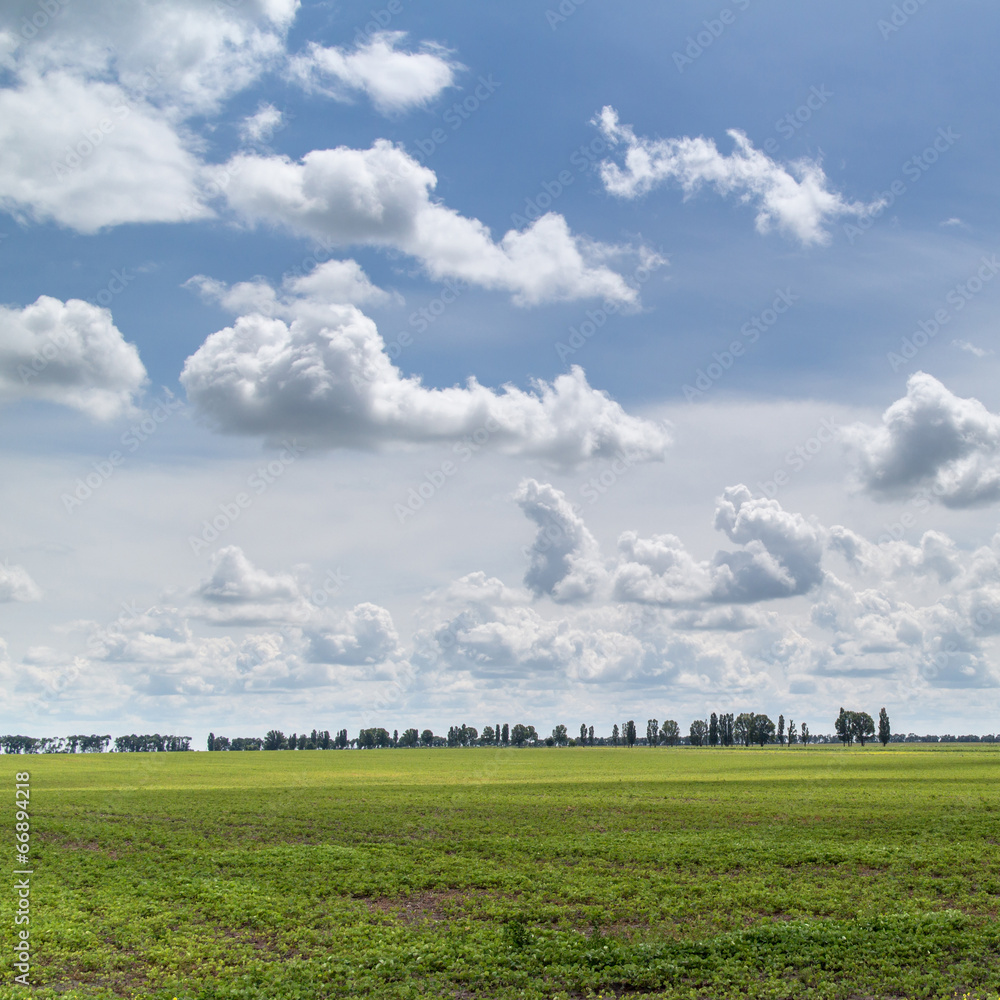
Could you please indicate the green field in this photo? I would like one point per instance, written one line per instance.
(588, 872)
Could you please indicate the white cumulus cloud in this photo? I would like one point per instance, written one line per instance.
(395, 80)
(235, 580)
(566, 563)
(92, 122)
(262, 124)
(781, 556)
(86, 155)
(382, 197)
(69, 353)
(16, 585)
(933, 440)
(795, 199)
(365, 635)
(320, 372)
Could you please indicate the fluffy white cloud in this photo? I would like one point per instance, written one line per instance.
(781, 557)
(159, 654)
(565, 559)
(235, 580)
(781, 552)
(16, 585)
(365, 635)
(394, 80)
(261, 125)
(497, 639)
(69, 353)
(324, 376)
(659, 570)
(184, 55)
(340, 281)
(931, 440)
(92, 124)
(334, 281)
(94, 133)
(935, 555)
(382, 197)
(85, 154)
(796, 199)
(877, 633)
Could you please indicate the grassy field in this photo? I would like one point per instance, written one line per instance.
(782, 872)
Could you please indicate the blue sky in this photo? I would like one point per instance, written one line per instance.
(285, 200)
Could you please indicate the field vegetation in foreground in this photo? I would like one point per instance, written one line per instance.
(589, 872)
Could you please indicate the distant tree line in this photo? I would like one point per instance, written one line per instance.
(719, 730)
(54, 744)
(151, 744)
(94, 744)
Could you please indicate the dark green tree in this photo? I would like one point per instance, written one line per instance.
(583, 735)
(842, 727)
(614, 735)
(560, 736)
(698, 733)
(211, 741)
(713, 730)
(505, 735)
(780, 733)
(743, 729)
(806, 735)
(793, 733)
(862, 726)
(275, 740)
(427, 738)
(730, 729)
(652, 732)
(884, 732)
(670, 733)
(630, 734)
(763, 729)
